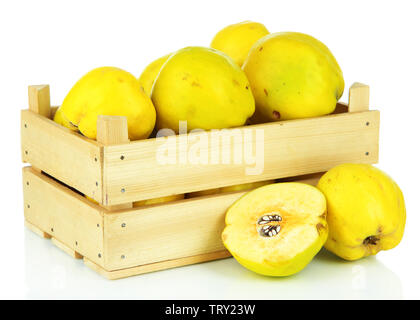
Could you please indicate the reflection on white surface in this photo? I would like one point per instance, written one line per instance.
(51, 273)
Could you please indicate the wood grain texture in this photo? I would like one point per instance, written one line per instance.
(63, 214)
(163, 265)
(62, 153)
(296, 147)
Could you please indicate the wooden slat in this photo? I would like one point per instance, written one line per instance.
(163, 265)
(62, 153)
(72, 253)
(296, 147)
(66, 216)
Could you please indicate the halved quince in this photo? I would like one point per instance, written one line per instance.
(277, 229)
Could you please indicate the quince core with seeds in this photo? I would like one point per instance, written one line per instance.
(277, 229)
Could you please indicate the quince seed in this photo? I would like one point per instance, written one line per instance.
(269, 230)
(269, 218)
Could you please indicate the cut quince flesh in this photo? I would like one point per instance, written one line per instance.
(277, 229)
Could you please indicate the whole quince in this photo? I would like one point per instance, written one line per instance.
(292, 76)
(149, 74)
(366, 210)
(237, 39)
(59, 118)
(113, 92)
(203, 87)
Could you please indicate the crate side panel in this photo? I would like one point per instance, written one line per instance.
(63, 214)
(132, 171)
(165, 232)
(63, 154)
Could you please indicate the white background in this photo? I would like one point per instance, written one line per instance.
(56, 42)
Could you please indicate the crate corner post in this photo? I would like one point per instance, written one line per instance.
(39, 103)
(359, 97)
(39, 99)
(111, 130)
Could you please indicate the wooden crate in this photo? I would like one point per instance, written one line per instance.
(117, 240)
